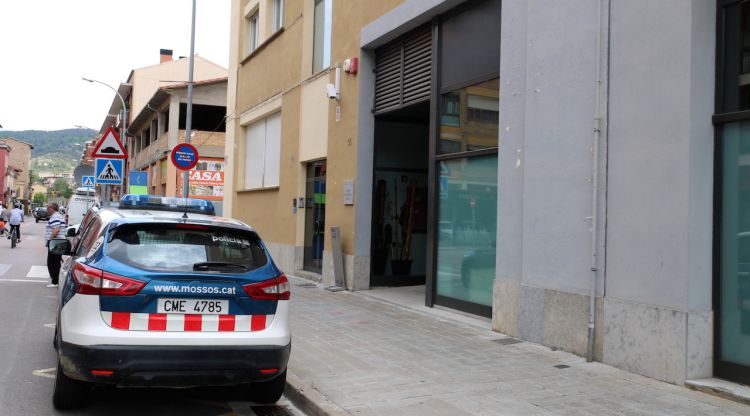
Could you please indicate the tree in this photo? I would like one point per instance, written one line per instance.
(61, 188)
(39, 198)
(34, 177)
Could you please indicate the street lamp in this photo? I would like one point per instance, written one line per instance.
(124, 124)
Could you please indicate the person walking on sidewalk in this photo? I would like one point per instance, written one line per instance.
(55, 223)
(15, 219)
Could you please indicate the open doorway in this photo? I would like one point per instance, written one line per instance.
(399, 226)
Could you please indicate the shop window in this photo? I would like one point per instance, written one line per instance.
(263, 153)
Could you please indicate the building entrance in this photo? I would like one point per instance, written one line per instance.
(399, 229)
(315, 214)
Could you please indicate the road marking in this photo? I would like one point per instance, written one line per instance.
(45, 372)
(50, 325)
(38, 271)
(22, 280)
(4, 268)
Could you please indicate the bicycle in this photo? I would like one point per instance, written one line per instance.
(13, 237)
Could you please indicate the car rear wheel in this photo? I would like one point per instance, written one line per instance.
(268, 392)
(68, 393)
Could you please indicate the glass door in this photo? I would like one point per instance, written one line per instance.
(315, 214)
(733, 350)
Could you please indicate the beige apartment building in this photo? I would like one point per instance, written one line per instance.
(294, 147)
(161, 125)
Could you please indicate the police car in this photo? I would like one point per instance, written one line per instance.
(161, 293)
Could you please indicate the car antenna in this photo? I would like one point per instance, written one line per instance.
(184, 214)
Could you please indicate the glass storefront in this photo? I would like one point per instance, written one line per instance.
(467, 222)
(467, 194)
(735, 245)
(732, 249)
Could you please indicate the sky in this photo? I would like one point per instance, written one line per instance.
(47, 46)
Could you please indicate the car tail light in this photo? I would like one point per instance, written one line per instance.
(93, 281)
(271, 289)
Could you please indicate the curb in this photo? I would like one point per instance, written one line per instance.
(309, 400)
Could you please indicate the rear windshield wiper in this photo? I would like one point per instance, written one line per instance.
(209, 265)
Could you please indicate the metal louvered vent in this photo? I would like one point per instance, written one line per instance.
(403, 71)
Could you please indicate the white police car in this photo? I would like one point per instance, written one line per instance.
(158, 293)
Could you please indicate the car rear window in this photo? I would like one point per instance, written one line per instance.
(191, 248)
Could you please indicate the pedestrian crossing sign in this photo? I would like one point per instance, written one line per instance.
(108, 171)
(88, 181)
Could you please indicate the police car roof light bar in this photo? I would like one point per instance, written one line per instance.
(167, 203)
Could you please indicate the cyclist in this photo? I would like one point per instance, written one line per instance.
(16, 216)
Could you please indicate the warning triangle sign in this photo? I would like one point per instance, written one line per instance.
(110, 146)
(109, 173)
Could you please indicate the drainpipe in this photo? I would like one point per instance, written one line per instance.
(595, 185)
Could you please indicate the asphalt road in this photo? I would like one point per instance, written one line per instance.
(27, 358)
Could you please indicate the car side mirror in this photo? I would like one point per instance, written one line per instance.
(72, 232)
(59, 246)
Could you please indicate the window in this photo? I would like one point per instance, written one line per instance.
(152, 247)
(278, 14)
(322, 35)
(263, 153)
(469, 118)
(253, 27)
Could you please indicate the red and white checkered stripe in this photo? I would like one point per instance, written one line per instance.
(180, 323)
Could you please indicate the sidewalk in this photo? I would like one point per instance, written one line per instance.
(355, 354)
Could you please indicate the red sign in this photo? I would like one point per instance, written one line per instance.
(184, 156)
(109, 147)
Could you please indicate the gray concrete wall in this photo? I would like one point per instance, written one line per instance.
(655, 175)
(661, 152)
(547, 109)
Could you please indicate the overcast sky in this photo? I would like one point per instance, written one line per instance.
(46, 46)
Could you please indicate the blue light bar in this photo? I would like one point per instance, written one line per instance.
(167, 203)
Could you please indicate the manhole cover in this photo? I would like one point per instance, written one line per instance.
(561, 366)
(271, 411)
(506, 341)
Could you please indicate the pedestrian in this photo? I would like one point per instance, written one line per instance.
(15, 219)
(2, 219)
(55, 224)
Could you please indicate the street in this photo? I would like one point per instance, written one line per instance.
(27, 362)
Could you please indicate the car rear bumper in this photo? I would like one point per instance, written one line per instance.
(173, 366)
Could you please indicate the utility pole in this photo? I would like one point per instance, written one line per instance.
(189, 111)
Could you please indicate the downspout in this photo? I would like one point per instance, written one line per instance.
(595, 184)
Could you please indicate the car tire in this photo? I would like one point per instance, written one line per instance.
(268, 392)
(68, 393)
(37, 220)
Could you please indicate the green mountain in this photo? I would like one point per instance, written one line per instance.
(56, 150)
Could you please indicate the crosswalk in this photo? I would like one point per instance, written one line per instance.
(35, 274)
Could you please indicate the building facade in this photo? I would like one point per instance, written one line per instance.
(141, 87)
(572, 171)
(20, 160)
(161, 125)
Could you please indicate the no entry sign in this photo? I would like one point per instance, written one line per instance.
(184, 156)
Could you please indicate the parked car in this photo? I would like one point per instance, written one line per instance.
(41, 214)
(149, 298)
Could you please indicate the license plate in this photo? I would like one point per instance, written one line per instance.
(193, 306)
